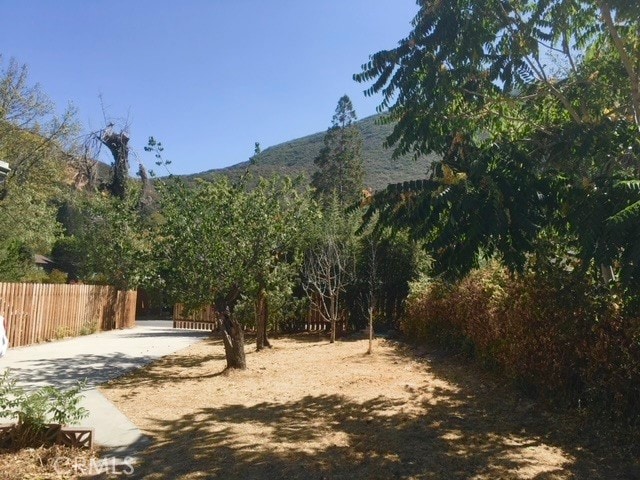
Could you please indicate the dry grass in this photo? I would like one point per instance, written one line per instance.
(310, 410)
(46, 463)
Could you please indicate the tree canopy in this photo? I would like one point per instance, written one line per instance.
(33, 140)
(340, 169)
(533, 108)
(219, 241)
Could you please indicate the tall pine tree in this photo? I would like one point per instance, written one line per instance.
(340, 169)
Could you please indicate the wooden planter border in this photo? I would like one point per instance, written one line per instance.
(55, 434)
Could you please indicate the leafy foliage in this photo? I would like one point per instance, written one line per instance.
(30, 132)
(34, 410)
(219, 239)
(386, 263)
(554, 332)
(492, 204)
(112, 242)
(339, 163)
(33, 140)
(533, 108)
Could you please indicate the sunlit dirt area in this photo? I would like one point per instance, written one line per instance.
(308, 409)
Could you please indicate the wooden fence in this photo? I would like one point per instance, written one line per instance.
(316, 323)
(203, 319)
(206, 319)
(40, 312)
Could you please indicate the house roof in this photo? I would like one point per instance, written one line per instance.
(42, 260)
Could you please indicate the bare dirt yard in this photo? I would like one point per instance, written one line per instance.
(307, 409)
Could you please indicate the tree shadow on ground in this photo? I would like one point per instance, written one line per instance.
(98, 370)
(600, 448)
(160, 371)
(63, 372)
(462, 426)
(157, 376)
(319, 337)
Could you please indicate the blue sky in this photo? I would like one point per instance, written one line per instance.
(207, 78)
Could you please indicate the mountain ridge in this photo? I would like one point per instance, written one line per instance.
(295, 157)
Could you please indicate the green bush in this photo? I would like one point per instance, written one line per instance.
(33, 411)
(560, 336)
(57, 276)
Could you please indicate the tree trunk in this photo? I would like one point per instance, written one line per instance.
(262, 320)
(233, 339)
(265, 313)
(332, 309)
(118, 145)
(370, 331)
(259, 324)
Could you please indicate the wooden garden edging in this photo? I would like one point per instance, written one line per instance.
(37, 312)
(54, 434)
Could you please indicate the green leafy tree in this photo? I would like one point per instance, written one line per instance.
(28, 221)
(113, 243)
(473, 72)
(533, 108)
(34, 141)
(16, 261)
(30, 131)
(275, 221)
(340, 169)
(386, 262)
(220, 241)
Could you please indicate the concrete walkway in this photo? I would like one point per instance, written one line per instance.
(99, 358)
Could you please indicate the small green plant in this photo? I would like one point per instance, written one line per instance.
(36, 409)
(88, 328)
(62, 332)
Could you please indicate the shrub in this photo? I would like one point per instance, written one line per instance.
(35, 410)
(560, 336)
(57, 276)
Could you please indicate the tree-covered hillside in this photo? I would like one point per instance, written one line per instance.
(296, 157)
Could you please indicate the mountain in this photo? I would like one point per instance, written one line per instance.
(296, 157)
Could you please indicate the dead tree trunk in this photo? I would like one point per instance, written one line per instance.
(334, 311)
(146, 198)
(118, 145)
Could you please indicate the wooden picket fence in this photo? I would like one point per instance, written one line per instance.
(206, 319)
(316, 323)
(203, 319)
(37, 312)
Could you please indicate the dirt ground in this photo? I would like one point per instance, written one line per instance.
(307, 409)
